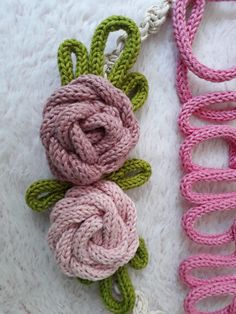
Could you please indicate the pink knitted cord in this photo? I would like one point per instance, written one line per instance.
(204, 203)
(88, 130)
(184, 34)
(93, 231)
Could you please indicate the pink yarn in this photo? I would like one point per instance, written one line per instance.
(88, 130)
(204, 203)
(93, 231)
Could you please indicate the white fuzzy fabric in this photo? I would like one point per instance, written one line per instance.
(30, 32)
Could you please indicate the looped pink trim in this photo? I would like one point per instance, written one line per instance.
(217, 175)
(201, 135)
(185, 32)
(204, 203)
(213, 289)
(196, 104)
(203, 261)
(192, 216)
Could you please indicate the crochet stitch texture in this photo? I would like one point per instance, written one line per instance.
(88, 131)
(204, 203)
(93, 231)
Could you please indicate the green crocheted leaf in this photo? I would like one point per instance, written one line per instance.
(140, 260)
(134, 173)
(124, 303)
(43, 194)
(135, 86)
(65, 63)
(128, 55)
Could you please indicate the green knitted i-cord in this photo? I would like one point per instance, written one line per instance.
(133, 84)
(134, 173)
(135, 87)
(140, 260)
(43, 194)
(65, 63)
(125, 302)
(128, 55)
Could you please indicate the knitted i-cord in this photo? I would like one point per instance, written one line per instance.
(43, 194)
(88, 129)
(204, 203)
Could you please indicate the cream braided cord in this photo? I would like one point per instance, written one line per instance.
(154, 18)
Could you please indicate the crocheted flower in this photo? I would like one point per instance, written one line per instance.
(93, 231)
(88, 130)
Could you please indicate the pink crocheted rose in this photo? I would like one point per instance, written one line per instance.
(88, 130)
(93, 231)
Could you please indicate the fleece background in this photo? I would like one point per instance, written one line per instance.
(30, 32)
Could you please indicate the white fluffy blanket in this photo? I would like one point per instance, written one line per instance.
(30, 32)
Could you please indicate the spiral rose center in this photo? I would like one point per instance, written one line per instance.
(88, 130)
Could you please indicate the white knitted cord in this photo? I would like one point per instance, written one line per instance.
(141, 305)
(151, 24)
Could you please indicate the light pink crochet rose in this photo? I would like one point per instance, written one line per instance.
(93, 231)
(88, 130)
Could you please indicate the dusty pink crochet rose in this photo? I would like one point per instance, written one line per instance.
(93, 231)
(88, 130)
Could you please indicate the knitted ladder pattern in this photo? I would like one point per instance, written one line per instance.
(88, 130)
(204, 203)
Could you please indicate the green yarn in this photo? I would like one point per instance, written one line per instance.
(128, 56)
(140, 260)
(43, 194)
(65, 63)
(134, 173)
(134, 85)
(125, 302)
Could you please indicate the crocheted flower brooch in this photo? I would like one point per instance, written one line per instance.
(88, 131)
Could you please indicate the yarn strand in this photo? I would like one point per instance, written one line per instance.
(204, 203)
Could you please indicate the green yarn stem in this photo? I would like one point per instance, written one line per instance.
(125, 302)
(65, 63)
(134, 173)
(140, 260)
(43, 194)
(135, 86)
(128, 55)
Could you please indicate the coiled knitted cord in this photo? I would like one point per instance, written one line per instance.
(204, 203)
(88, 125)
(43, 194)
(88, 131)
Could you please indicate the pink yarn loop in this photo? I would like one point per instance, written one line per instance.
(212, 290)
(182, 82)
(204, 203)
(185, 32)
(88, 130)
(93, 231)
